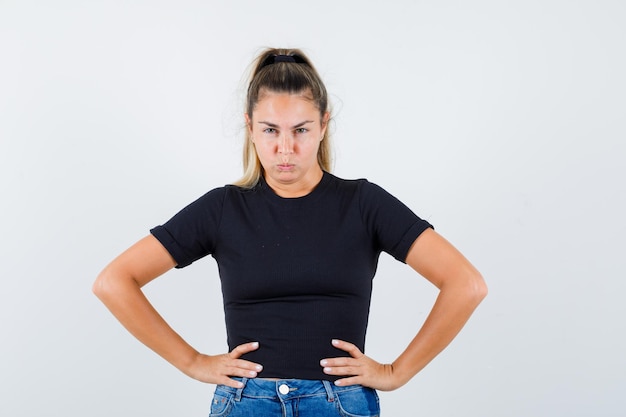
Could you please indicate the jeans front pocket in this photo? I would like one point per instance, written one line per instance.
(358, 401)
(221, 404)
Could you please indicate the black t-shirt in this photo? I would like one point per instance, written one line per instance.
(295, 272)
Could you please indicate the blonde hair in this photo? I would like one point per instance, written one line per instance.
(293, 75)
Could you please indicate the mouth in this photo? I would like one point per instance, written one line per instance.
(285, 167)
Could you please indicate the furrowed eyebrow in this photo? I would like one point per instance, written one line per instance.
(273, 125)
(302, 124)
(267, 123)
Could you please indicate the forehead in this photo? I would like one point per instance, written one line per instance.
(285, 105)
(266, 92)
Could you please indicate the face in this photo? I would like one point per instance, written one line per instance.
(286, 130)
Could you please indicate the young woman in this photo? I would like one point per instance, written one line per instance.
(297, 249)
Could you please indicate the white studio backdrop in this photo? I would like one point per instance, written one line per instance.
(502, 123)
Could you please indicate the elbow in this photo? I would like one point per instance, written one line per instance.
(112, 284)
(100, 287)
(104, 287)
(477, 287)
(467, 287)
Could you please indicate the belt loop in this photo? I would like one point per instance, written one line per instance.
(244, 381)
(329, 391)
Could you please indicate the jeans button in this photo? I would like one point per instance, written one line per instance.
(283, 389)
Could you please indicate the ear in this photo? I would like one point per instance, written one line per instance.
(325, 120)
(248, 124)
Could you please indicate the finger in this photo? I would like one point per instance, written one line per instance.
(246, 366)
(229, 382)
(340, 361)
(349, 381)
(343, 370)
(354, 351)
(243, 349)
(243, 372)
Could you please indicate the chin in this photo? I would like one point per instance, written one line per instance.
(286, 177)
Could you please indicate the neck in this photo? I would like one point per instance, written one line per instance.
(297, 189)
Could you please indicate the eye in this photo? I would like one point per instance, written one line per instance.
(269, 130)
(301, 130)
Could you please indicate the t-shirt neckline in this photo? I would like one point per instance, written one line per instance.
(269, 193)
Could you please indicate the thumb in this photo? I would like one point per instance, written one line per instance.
(243, 349)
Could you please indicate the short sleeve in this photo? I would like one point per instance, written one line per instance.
(191, 234)
(393, 226)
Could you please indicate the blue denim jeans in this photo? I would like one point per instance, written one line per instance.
(294, 398)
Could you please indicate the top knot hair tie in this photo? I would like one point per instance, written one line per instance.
(284, 58)
(272, 59)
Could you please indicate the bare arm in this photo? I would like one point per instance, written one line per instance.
(461, 289)
(119, 287)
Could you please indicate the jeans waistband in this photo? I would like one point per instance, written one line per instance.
(285, 389)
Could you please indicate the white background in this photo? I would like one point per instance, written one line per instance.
(501, 122)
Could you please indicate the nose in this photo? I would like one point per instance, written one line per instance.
(285, 144)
